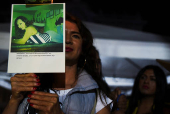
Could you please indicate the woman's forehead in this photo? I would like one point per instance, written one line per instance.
(70, 26)
(19, 21)
(149, 72)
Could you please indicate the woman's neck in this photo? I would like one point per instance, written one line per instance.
(147, 100)
(70, 77)
(145, 105)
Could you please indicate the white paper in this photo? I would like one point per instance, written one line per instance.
(49, 57)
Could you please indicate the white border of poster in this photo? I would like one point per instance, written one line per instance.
(36, 62)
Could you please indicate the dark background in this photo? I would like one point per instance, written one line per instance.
(148, 17)
(140, 16)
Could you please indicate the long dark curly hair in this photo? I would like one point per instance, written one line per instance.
(92, 66)
(19, 33)
(161, 87)
(90, 53)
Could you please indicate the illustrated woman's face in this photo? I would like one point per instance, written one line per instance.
(147, 83)
(73, 41)
(21, 24)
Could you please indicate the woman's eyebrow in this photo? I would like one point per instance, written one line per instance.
(143, 75)
(74, 32)
(152, 76)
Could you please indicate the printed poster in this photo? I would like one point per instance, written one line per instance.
(37, 38)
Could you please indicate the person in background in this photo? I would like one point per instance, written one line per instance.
(149, 91)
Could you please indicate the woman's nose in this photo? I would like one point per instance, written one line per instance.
(147, 80)
(68, 38)
(19, 26)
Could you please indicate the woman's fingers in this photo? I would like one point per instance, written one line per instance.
(114, 94)
(46, 109)
(24, 79)
(118, 91)
(44, 101)
(25, 75)
(44, 93)
(39, 102)
(20, 89)
(26, 84)
(118, 112)
(20, 83)
(122, 98)
(39, 107)
(122, 103)
(43, 96)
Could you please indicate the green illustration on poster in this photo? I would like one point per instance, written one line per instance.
(36, 26)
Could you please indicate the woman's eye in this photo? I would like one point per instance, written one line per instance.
(76, 36)
(143, 77)
(153, 79)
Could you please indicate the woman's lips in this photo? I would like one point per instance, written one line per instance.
(145, 87)
(68, 49)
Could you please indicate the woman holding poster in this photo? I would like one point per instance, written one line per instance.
(85, 91)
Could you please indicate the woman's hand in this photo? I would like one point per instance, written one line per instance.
(114, 94)
(45, 103)
(121, 104)
(21, 83)
(118, 112)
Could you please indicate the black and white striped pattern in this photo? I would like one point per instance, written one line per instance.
(39, 38)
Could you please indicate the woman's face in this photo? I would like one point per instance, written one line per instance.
(147, 83)
(21, 24)
(73, 42)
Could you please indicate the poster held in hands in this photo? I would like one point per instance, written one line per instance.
(37, 38)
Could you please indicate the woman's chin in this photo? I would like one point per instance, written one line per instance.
(71, 62)
(147, 93)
